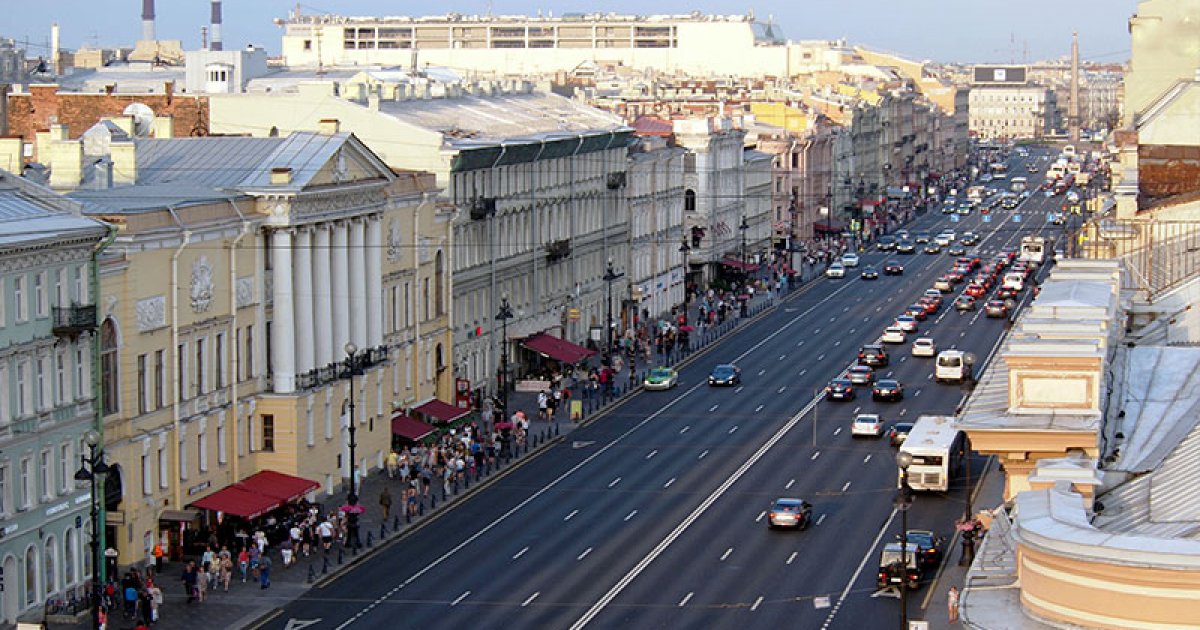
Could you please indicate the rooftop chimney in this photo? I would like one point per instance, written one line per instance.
(281, 176)
(216, 25)
(330, 126)
(148, 21)
(55, 55)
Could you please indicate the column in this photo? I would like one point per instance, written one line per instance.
(323, 304)
(358, 285)
(305, 335)
(339, 286)
(283, 331)
(375, 281)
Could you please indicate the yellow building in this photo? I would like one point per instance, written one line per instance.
(222, 367)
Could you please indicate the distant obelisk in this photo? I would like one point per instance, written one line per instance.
(216, 26)
(1073, 111)
(148, 21)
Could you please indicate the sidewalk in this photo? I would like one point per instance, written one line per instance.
(245, 603)
(936, 612)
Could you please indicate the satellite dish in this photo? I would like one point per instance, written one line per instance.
(143, 119)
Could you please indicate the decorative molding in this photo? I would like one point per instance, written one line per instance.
(245, 292)
(110, 307)
(394, 242)
(202, 285)
(151, 313)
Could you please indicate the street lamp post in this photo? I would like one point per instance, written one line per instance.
(903, 502)
(91, 468)
(743, 227)
(503, 315)
(685, 249)
(352, 365)
(609, 276)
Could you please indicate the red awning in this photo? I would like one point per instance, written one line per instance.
(277, 485)
(410, 428)
(739, 265)
(238, 502)
(441, 412)
(829, 227)
(557, 349)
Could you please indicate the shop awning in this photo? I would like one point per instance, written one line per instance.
(238, 502)
(829, 227)
(182, 516)
(557, 349)
(410, 428)
(739, 265)
(277, 485)
(440, 411)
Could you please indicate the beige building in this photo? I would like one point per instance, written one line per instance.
(223, 366)
(1011, 112)
(1156, 63)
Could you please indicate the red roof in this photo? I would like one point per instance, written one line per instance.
(652, 126)
(238, 501)
(410, 428)
(277, 485)
(557, 349)
(440, 411)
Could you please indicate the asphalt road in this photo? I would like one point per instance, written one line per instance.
(654, 515)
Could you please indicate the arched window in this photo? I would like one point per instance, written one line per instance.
(48, 563)
(108, 366)
(70, 555)
(31, 573)
(689, 200)
(439, 284)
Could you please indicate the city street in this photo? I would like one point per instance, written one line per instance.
(653, 515)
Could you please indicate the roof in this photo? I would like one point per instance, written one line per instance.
(557, 349)
(217, 162)
(1161, 400)
(130, 200)
(441, 412)
(32, 215)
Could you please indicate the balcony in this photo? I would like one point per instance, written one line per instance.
(318, 377)
(558, 250)
(70, 321)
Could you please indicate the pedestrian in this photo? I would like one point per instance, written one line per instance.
(264, 571)
(952, 603)
(226, 570)
(158, 557)
(244, 563)
(190, 577)
(385, 502)
(393, 462)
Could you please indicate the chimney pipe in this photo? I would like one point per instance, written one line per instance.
(55, 55)
(203, 38)
(216, 26)
(148, 21)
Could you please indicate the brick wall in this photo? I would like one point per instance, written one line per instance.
(44, 105)
(1164, 171)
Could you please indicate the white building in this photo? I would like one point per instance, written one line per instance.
(654, 194)
(1028, 111)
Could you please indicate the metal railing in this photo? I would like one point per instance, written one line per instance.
(74, 319)
(1160, 255)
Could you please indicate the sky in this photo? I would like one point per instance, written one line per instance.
(965, 31)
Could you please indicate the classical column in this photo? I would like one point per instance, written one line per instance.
(339, 287)
(374, 281)
(323, 303)
(283, 330)
(305, 335)
(358, 285)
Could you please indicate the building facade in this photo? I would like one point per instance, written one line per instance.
(1012, 112)
(654, 195)
(47, 396)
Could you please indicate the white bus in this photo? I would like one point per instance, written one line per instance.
(1033, 250)
(938, 449)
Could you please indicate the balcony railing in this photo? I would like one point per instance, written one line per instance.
(70, 321)
(367, 358)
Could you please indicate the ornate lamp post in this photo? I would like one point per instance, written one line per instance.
(609, 276)
(503, 315)
(353, 367)
(91, 468)
(743, 227)
(903, 502)
(685, 249)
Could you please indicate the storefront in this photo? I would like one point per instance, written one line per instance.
(408, 431)
(229, 514)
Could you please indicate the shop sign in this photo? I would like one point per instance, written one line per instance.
(198, 488)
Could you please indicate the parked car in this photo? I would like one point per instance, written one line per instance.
(929, 551)
(867, 424)
(788, 512)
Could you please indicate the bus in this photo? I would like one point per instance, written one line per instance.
(1018, 184)
(1069, 151)
(938, 450)
(1033, 250)
(999, 170)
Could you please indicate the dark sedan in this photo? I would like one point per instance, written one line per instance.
(887, 389)
(964, 303)
(840, 389)
(725, 374)
(899, 432)
(905, 247)
(929, 555)
(869, 273)
(893, 269)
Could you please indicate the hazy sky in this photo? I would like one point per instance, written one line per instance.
(943, 30)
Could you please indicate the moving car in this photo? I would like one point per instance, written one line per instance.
(836, 270)
(964, 303)
(996, 308)
(867, 424)
(873, 355)
(928, 552)
(933, 248)
(661, 378)
(969, 238)
(840, 389)
(922, 237)
(924, 347)
(917, 312)
(905, 247)
(945, 284)
(899, 432)
(869, 273)
(899, 565)
(850, 259)
(886, 243)
(787, 512)
(892, 334)
(975, 289)
(887, 389)
(861, 375)
(956, 250)
(893, 269)
(725, 374)
(907, 323)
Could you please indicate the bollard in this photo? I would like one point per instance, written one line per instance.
(466, 481)
(433, 500)
(556, 430)
(408, 515)
(311, 573)
(325, 565)
(396, 521)
(382, 530)
(339, 554)
(370, 540)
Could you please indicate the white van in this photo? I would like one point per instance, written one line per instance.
(954, 366)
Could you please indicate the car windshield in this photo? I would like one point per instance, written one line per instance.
(723, 370)
(887, 384)
(660, 373)
(841, 382)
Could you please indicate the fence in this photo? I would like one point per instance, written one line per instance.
(1158, 254)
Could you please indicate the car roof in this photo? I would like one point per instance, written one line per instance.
(726, 365)
(840, 381)
(924, 340)
(885, 381)
(861, 368)
(867, 417)
(788, 501)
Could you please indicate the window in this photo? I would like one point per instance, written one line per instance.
(160, 376)
(143, 400)
(46, 474)
(80, 371)
(31, 573)
(147, 478)
(61, 283)
(41, 301)
(65, 475)
(181, 392)
(61, 394)
(109, 376)
(425, 298)
(221, 459)
(26, 500)
(3, 299)
(5, 413)
(439, 291)
(42, 374)
(164, 469)
(183, 453)
(268, 433)
(49, 559)
(250, 351)
(81, 285)
(20, 304)
(4, 490)
(202, 449)
(69, 555)
(219, 360)
(201, 366)
(24, 391)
